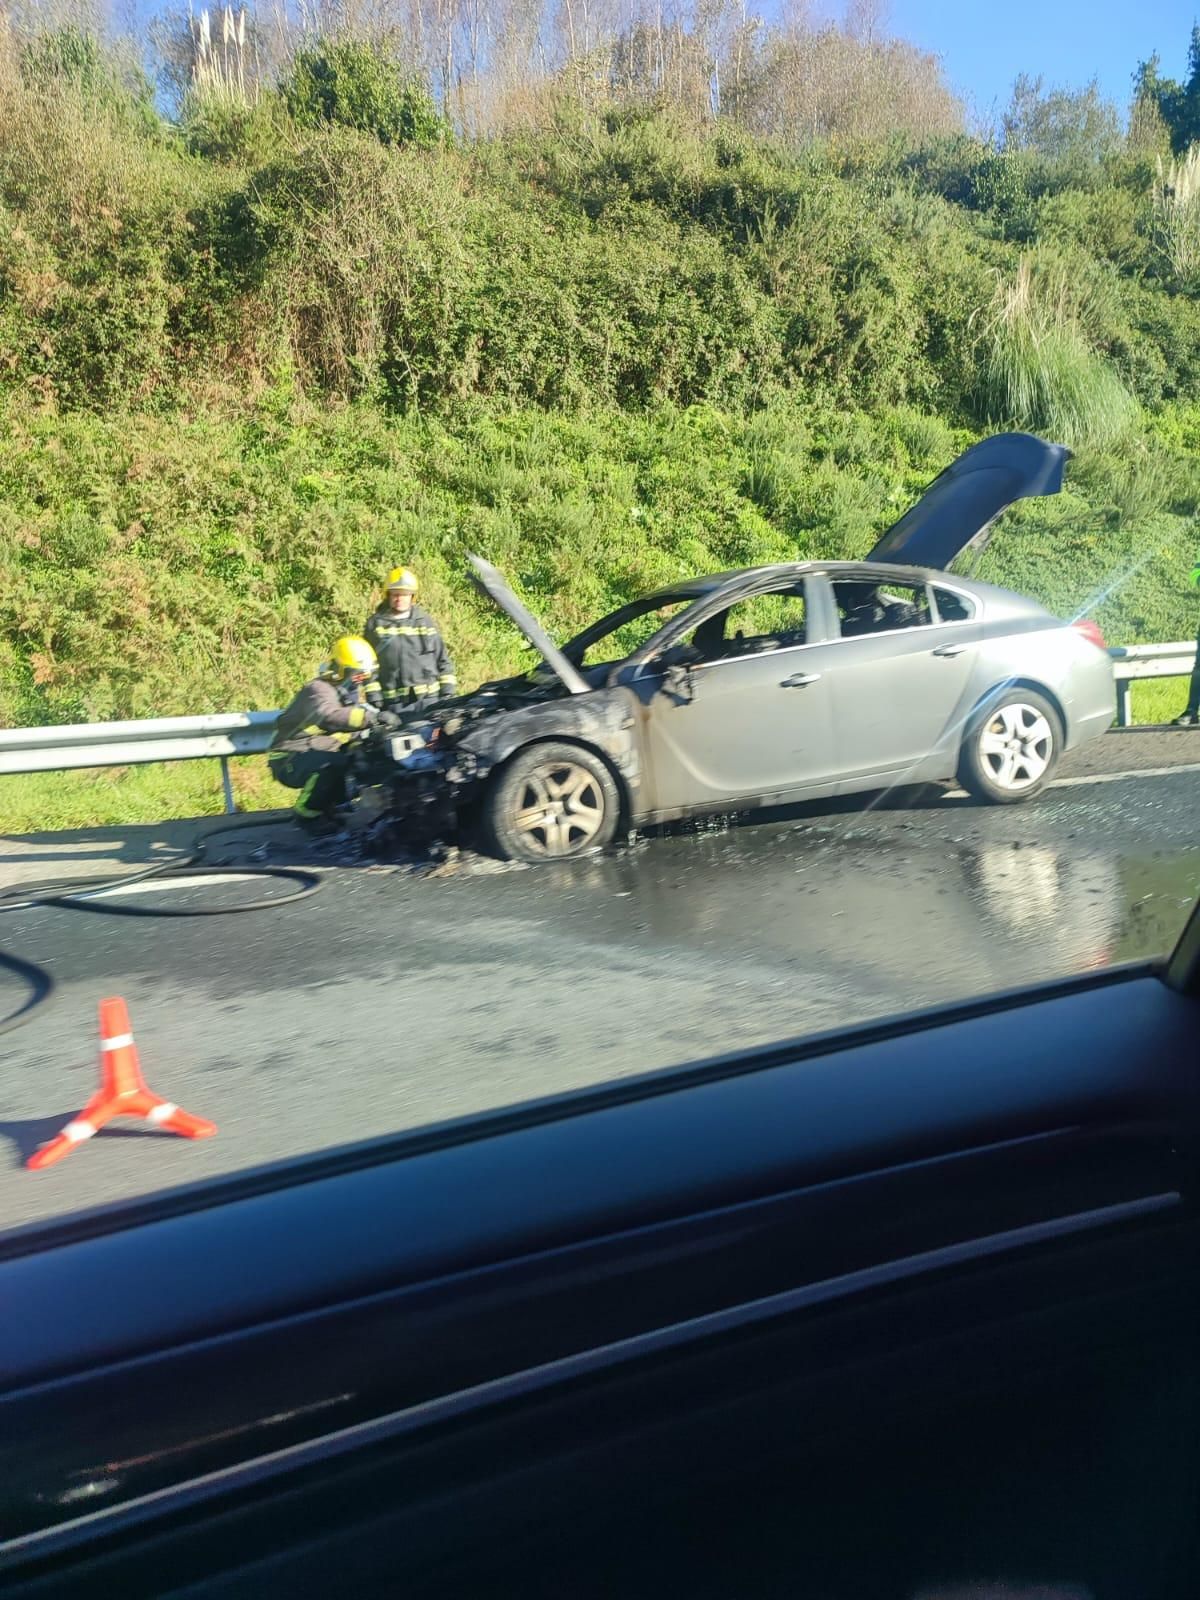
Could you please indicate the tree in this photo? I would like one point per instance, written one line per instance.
(819, 84)
(1178, 104)
(866, 20)
(1069, 127)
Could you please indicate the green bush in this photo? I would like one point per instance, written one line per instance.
(352, 84)
(366, 255)
(1110, 224)
(68, 59)
(234, 131)
(94, 248)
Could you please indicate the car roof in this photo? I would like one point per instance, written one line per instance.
(999, 602)
(868, 571)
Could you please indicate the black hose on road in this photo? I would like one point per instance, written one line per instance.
(41, 988)
(89, 895)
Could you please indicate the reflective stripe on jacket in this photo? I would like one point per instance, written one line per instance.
(413, 659)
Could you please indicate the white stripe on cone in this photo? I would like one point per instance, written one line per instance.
(117, 1042)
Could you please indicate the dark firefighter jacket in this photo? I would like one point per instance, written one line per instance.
(413, 659)
(321, 717)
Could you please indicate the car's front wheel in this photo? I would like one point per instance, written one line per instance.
(552, 802)
(1011, 750)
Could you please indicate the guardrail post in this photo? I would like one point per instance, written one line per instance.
(227, 784)
(1123, 687)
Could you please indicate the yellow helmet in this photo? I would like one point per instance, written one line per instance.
(402, 578)
(351, 655)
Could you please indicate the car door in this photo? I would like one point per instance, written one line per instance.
(901, 688)
(741, 708)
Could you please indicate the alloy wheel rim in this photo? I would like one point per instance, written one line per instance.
(1016, 746)
(559, 809)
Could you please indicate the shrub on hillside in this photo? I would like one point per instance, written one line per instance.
(234, 130)
(97, 244)
(352, 84)
(70, 59)
(1166, 328)
(1110, 224)
(392, 280)
(366, 252)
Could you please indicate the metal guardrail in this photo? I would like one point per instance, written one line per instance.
(248, 733)
(1148, 661)
(124, 744)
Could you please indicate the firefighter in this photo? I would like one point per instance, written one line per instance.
(414, 664)
(1191, 713)
(307, 752)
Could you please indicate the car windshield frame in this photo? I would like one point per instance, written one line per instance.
(577, 647)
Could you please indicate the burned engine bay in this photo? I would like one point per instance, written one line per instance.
(425, 779)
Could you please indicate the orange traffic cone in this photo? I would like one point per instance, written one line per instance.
(123, 1093)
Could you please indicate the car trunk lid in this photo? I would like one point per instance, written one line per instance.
(961, 505)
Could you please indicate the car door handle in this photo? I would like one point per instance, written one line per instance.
(949, 649)
(799, 679)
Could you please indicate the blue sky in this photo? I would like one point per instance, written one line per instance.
(984, 45)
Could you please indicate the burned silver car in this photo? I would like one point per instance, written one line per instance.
(773, 684)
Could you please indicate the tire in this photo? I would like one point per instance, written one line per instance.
(552, 802)
(1011, 749)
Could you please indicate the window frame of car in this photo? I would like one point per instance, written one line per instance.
(644, 663)
(577, 648)
(256, 1466)
(930, 585)
(960, 593)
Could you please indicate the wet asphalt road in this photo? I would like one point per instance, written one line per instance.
(395, 998)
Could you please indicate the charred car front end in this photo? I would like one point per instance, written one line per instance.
(435, 768)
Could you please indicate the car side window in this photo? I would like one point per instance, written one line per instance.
(631, 635)
(952, 606)
(754, 626)
(864, 607)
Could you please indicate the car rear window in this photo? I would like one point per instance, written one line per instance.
(952, 606)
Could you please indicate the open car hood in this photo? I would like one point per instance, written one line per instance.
(961, 505)
(489, 582)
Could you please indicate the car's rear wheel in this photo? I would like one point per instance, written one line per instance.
(552, 802)
(1012, 748)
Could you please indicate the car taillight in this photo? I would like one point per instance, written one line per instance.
(1091, 633)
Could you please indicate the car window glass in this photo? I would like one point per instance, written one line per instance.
(864, 607)
(952, 606)
(631, 635)
(761, 623)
